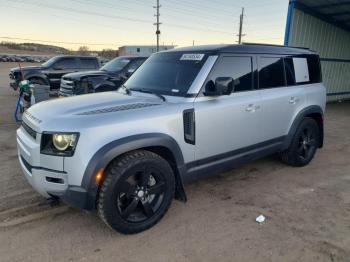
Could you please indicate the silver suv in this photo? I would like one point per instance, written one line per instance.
(185, 114)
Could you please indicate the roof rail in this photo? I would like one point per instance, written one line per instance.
(247, 43)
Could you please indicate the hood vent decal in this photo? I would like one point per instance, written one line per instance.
(118, 108)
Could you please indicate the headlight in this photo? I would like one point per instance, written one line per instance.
(61, 144)
(63, 141)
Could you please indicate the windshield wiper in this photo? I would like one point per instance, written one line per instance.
(142, 90)
(127, 90)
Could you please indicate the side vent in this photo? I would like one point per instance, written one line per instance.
(189, 126)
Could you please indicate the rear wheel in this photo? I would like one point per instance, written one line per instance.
(304, 144)
(137, 191)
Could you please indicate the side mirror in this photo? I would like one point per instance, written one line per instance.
(222, 86)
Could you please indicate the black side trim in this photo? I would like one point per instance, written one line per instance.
(302, 114)
(189, 126)
(338, 93)
(74, 196)
(330, 59)
(226, 161)
(107, 153)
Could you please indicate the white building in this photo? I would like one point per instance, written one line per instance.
(141, 50)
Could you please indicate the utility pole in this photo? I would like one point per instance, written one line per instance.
(157, 23)
(240, 35)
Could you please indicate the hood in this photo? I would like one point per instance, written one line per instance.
(62, 113)
(27, 68)
(79, 75)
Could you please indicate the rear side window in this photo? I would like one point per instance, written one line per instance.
(239, 68)
(302, 70)
(88, 63)
(271, 73)
(313, 62)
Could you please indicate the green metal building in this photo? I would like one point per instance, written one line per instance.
(324, 26)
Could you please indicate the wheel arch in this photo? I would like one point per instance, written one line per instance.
(40, 76)
(161, 144)
(315, 112)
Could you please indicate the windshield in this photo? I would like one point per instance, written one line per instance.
(170, 73)
(50, 62)
(116, 64)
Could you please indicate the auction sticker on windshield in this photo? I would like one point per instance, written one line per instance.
(193, 57)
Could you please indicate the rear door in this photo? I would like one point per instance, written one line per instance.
(88, 63)
(227, 123)
(280, 99)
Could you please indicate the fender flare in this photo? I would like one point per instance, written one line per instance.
(108, 152)
(42, 76)
(297, 120)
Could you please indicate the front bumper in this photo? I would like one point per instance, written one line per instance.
(46, 181)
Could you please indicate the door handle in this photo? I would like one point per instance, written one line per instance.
(293, 100)
(252, 108)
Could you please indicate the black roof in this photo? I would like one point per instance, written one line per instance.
(244, 48)
(77, 56)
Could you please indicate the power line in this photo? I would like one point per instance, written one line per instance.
(52, 42)
(241, 27)
(157, 23)
(55, 7)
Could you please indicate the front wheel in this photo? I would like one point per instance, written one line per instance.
(304, 144)
(137, 191)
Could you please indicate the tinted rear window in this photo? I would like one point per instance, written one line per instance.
(271, 73)
(88, 63)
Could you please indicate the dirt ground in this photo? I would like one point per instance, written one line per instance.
(307, 210)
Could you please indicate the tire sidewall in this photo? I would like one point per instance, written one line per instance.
(306, 123)
(115, 173)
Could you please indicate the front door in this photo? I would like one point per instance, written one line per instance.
(229, 124)
(61, 67)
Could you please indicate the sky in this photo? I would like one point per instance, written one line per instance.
(108, 24)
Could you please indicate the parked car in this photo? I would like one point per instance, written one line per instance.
(184, 114)
(110, 77)
(50, 72)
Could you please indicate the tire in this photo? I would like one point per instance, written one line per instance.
(125, 201)
(38, 81)
(304, 144)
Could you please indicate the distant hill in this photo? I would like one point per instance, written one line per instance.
(31, 48)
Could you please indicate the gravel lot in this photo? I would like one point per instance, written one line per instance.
(307, 210)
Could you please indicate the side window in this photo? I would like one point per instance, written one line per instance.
(271, 72)
(66, 63)
(136, 64)
(290, 73)
(88, 63)
(313, 62)
(239, 68)
(301, 70)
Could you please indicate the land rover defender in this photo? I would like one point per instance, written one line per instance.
(184, 114)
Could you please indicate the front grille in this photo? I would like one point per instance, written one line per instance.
(26, 164)
(66, 87)
(29, 130)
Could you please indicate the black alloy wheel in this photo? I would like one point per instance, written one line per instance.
(304, 144)
(137, 191)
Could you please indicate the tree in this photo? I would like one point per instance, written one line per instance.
(83, 50)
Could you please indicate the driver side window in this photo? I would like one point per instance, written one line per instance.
(66, 63)
(239, 68)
